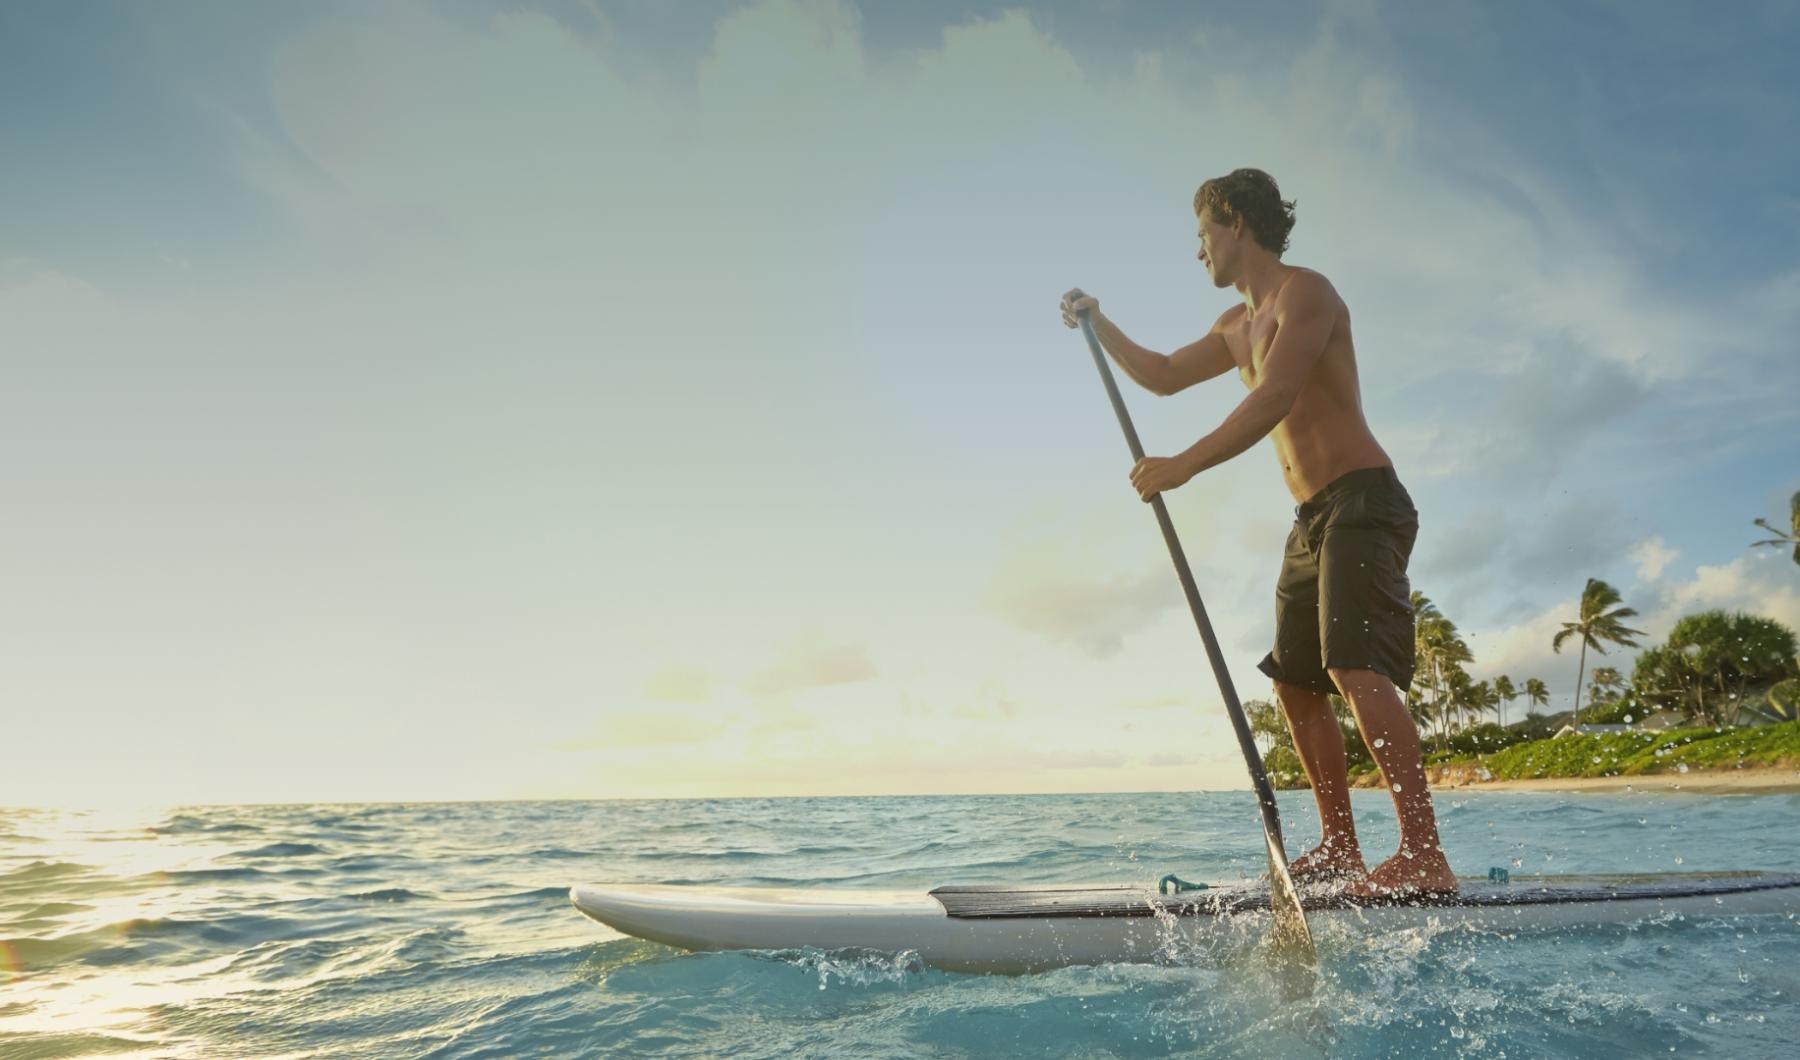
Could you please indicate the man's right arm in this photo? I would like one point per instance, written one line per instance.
(1155, 372)
(1199, 361)
(1196, 362)
(1149, 369)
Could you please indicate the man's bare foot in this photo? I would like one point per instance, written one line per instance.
(1329, 861)
(1406, 874)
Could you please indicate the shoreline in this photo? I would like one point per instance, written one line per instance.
(1758, 781)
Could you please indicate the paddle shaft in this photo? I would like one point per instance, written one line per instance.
(1259, 780)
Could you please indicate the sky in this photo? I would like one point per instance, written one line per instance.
(625, 399)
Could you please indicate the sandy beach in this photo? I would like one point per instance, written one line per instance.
(1715, 782)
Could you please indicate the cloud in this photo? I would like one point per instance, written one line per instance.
(813, 665)
(680, 684)
(1502, 554)
(1035, 590)
(1652, 556)
(991, 702)
(1762, 583)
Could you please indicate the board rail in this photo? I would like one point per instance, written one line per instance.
(1003, 902)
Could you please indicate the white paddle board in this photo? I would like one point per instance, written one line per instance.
(1022, 929)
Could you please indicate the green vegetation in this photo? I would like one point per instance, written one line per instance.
(1709, 663)
(1479, 740)
(1782, 701)
(1636, 753)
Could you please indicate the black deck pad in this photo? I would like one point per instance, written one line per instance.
(983, 903)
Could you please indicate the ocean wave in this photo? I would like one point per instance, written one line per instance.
(186, 824)
(387, 894)
(280, 850)
(54, 879)
(38, 871)
(291, 959)
(531, 896)
(241, 872)
(354, 863)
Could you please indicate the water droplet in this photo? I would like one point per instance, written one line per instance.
(1682, 768)
(1379, 743)
(1396, 787)
(1679, 860)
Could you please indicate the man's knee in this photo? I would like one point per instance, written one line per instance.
(1299, 702)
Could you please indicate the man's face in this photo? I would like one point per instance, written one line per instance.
(1217, 246)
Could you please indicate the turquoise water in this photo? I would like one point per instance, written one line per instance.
(444, 930)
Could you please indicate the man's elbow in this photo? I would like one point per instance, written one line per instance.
(1162, 382)
(1277, 400)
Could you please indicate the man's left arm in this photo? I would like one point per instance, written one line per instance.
(1303, 326)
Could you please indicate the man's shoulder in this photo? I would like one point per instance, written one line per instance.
(1232, 316)
(1308, 290)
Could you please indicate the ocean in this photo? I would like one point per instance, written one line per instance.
(445, 930)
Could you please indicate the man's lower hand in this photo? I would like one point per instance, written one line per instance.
(1157, 474)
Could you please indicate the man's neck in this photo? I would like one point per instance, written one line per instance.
(1261, 279)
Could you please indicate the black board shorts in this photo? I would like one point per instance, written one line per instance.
(1343, 599)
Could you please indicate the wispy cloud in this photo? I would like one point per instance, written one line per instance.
(680, 684)
(1652, 557)
(813, 665)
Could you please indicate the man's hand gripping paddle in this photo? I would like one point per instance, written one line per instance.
(1292, 943)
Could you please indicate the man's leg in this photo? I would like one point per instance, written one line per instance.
(1393, 740)
(1320, 745)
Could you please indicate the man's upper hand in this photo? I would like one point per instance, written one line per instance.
(1075, 302)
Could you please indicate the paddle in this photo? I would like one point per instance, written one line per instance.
(1292, 939)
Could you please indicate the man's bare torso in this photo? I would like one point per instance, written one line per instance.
(1324, 435)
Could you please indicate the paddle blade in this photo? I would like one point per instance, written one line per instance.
(1291, 943)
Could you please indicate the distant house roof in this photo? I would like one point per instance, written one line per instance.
(1585, 730)
(1664, 720)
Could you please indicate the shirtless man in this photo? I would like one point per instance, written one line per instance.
(1343, 609)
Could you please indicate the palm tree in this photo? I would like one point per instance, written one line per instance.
(1459, 700)
(1784, 538)
(1473, 699)
(1599, 624)
(1267, 725)
(1441, 654)
(1536, 694)
(1606, 680)
(1487, 700)
(1503, 687)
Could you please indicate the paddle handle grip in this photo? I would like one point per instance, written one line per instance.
(1259, 779)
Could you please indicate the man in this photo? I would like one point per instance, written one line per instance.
(1343, 609)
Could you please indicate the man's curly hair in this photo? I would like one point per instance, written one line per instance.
(1252, 195)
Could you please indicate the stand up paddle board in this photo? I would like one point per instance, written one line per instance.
(1014, 929)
